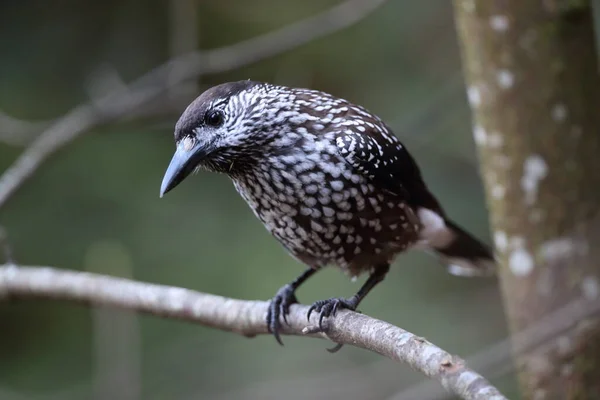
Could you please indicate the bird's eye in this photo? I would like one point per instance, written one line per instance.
(214, 118)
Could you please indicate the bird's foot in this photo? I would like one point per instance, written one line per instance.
(328, 308)
(280, 307)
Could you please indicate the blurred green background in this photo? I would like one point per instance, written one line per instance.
(95, 205)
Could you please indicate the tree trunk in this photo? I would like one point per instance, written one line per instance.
(534, 89)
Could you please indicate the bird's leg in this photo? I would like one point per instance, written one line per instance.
(280, 304)
(329, 307)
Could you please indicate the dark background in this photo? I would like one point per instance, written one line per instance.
(95, 206)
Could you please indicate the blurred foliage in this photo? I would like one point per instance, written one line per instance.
(101, 192)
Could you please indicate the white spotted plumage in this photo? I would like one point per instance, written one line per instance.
(326, 177)
(329, 197)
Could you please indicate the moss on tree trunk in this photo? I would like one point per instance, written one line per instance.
(534, 88)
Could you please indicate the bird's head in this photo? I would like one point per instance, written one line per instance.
(223, 130)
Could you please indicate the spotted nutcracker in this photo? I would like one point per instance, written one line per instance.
(327, 178)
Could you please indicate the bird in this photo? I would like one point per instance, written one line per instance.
(327, 178)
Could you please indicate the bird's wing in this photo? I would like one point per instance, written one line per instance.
(373, 151)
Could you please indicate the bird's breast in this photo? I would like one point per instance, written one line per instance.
(323, 212)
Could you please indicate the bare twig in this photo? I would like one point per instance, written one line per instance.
(146, 88)
(497, 359)
(67, 128)
(246, 318)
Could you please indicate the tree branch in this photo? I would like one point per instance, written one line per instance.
(125, 100)
(495, 360)
(246, 318)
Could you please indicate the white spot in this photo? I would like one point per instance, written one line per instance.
(590, 288)
(310, 201)
(431, 220)
(316, 226)
(320, 145)
(501, 241)
(505, 79)
(499, 23)
(474, 95)
(559, 112)
(305, 211)
(337, 185)
(188, 143)
(344, 216)
(434, 231)
(520, 262)
(534, 170)
(337, 197)
(498, 191)
(328, 211)
(480, 135)
(344, 205)
(311, 189)
(460, 270)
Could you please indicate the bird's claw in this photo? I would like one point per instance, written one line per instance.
(329, 308)
(280, 307)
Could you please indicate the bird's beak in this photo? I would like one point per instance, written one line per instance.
(188, 155)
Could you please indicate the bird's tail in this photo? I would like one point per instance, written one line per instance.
(463, 254)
